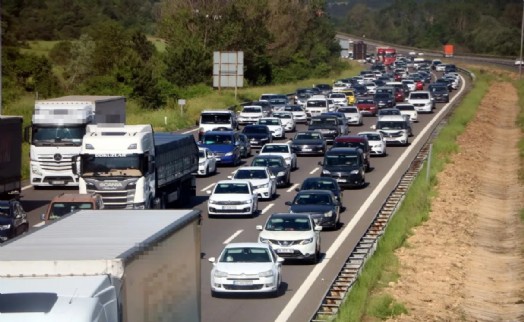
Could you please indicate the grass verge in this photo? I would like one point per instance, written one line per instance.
(365, 302)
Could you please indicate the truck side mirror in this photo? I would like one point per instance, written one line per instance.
(27, 137)
(75, 165)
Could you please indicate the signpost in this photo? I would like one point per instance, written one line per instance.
(228, 69)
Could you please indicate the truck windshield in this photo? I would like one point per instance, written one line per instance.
(112, 165)
(59, 209)
(215, 119)
(58, 135)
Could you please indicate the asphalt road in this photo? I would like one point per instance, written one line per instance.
(304, 285)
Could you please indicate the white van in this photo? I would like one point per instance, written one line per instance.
(396, 129)
(213, 119)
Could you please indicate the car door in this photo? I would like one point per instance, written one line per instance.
(272, 181)
(212, 161)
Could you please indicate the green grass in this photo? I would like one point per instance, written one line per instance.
(365, 300)
(40, 47)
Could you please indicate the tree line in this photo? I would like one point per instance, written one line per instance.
(102, 47)
(473, 26)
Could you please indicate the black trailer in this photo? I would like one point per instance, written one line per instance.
(359, 50)
(176, 162)
(10, 155)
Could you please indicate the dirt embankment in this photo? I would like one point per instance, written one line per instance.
(466, 262)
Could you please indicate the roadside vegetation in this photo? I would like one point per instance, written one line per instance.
(363, 301)
(520, 88)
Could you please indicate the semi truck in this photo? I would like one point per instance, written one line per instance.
(448, 50)
(56, 132)
(10, 155)
(359, 50)
(132, 167)
(105, 266)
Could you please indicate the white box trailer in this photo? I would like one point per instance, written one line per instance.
(105, 265)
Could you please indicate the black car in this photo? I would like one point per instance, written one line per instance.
(440, 93)
(321, 204)
(383, 100)
(328, 125)
(324, 88)
(445, 82)
(308, 142)
(258, 135)
(346, 165)
(450, 68)
(277, 165)
(13, 219)
(245, 146)
(323, 183)
(359, 90)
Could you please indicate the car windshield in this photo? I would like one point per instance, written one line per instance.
(312, 199)
(281, 148)
(316, 103)
(245, 255)
(373, 137)
(348, 110)
(365, 101)
(419, 96)
(282, 115)
(293, 108)
(389, 112)
(345, 144)
(4, 210)
(323, 121)
(290, 224)
(308, 136)
(60, 209)
(269, 122)
(217, 139)
(252, 110)
(336, 95)
(254, 129)
(250, 174)
(232, 188)
(391, 125)
(278, 101)
(267, 162)
(382, 96)
(341, 159)
(318, 185)
(406, 107)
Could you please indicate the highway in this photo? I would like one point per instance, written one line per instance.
(303, 285)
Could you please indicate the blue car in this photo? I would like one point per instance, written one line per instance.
(225, 145)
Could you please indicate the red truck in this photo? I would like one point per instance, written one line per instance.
(448, 50)
(386, 55)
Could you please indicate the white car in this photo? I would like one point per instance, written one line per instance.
(263, 181)
(340, 99)
(339, 86)
(422, 101)
(250, 114)
(232, 197)
(372, 87)
(275, 126)
(331, 105)
(282, 149)
(207, 163)
(376, 141)
(299, 115)
(316, 105)
(292, 236)
(246, 268)
(410, 84)
(353, 115)
(287, 119)
(409, 110)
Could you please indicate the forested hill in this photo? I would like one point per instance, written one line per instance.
(476, 26)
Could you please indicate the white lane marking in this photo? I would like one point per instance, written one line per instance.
(293, 187)
(314, 170)
(26, 187)
(238, 232)
(267, 208)
(208, 187)
(315, 272)
(40, 224)
(190, 131)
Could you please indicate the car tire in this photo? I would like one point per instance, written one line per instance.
(316, 258)
(207, 171)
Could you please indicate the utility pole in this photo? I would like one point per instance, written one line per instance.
(521, 41)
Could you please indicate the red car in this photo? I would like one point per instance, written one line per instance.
(400, 96)
(419, 85)
(366, 106)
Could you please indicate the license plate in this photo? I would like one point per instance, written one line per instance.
(242, 282)
(307, 149)
(341, 180)
(57, 182)
(284, 250)
(229, 207)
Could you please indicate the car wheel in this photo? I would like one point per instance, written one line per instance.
(316, 258)
(207, 171)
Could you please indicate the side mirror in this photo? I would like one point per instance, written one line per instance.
(287, 203)
(27, 137)
(42, 217)
(211, 259)
(259, 227)
(230, 177)
(272, 176)
(297, 189)
(320, 163)
(280, 260)
(208, 192)
(318, 228)
(196, 123)
(373, 127)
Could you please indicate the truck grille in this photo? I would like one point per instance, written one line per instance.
(117, 199)
(55, 162)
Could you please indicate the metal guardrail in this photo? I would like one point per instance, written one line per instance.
(353, 266)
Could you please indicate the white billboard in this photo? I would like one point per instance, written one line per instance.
(228, 69)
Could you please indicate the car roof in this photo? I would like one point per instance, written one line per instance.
(388, 118)
(342, 150)
(315, 191)
(278, 143)
(290, 215)
(233, 181)
(350, 138)
(219, 132)
(268, 156)
(246, 244)
(216, 112)
(249, 167)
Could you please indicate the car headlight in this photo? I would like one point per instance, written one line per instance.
(229, 154)
(262, 186)
(306, 241)
(281, 174)
(220, 273)
(325, 172)
(263, 240)
(328, 214)
(212, 202)
(355, 171)
(264, 139)
(201, 162)
(139, 206)
(268, 273)
(5, 227)
(36, 170)
(246, 202)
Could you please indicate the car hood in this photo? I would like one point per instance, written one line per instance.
(250, 114)
(243, 268)
(286, 234)
(5, 220)
(322, 126)
(224, 148)
(284, 155)
(230, 197)
(425, 101)
(310, 208)
(365, 106)
(338, 168)
(255, 182)
(276, 170)
(307, 142)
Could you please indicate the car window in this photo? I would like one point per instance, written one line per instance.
(308, 136)
(217, 139)
(282, 148)
(250, 174)
(245, 255)
(312, 199)
(252, 109)
(240, 188)
(4, 210)
(341, 159)
(289, 224)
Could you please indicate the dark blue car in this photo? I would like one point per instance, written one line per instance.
(322, 204)
(225, 145)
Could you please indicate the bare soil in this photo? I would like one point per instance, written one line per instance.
(466, 262)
